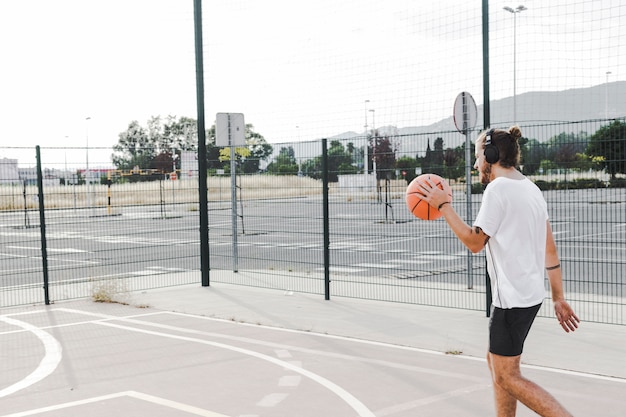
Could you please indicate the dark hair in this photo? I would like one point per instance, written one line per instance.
(507, 142)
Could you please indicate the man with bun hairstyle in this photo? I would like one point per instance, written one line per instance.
(513, 227)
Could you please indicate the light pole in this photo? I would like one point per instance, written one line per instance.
(515, 11)
(606, 96)
(374, 144)
(87, 119)
(373, 120)
(365, 162)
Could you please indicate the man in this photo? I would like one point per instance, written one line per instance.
(512, 224)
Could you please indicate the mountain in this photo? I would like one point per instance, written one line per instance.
(540, 114)
(545, 107)
(534, 108)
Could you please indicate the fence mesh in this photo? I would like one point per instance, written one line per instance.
(378, 79)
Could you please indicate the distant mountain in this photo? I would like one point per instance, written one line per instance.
(534, 108)
(542, 107)
(539, 114)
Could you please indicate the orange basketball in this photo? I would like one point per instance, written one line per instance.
(419, 207)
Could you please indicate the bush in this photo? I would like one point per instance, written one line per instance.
(617, 183)
(477, 188)
(587, 183)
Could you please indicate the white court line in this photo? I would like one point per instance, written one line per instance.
(133, 394)
(50, 361)
(348, 398)
(322, 335)
(408, 348)
(38, 248)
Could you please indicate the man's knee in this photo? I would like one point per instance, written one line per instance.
(504, 369)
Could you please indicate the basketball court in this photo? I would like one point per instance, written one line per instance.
(84, 358)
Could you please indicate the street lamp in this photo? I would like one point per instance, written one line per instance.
(515, 11)
(606, 96)
(365, 162)
(373, 120)
(375, 143)
(87, 119)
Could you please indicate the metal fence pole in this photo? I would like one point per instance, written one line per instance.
(326, 223)
(202, 165)
(486, 114)
(42, 228)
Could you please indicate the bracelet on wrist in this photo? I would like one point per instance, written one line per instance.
(442, 204)
(550, 268)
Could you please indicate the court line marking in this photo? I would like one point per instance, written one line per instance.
(408, 348)
(348, 398)
(50, 361)
(133, 394)
(298, 364)
(337, 337)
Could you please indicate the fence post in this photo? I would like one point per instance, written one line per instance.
(42, 228)
(488, 295)
(202, 165)
(326, 225)
(486, 118)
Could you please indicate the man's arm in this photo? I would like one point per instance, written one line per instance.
(564, 313)
(472, 237)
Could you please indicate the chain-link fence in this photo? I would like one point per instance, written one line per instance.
(103, 232)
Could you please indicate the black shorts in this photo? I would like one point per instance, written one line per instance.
(508, 329)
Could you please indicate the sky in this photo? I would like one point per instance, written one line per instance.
(75, 73)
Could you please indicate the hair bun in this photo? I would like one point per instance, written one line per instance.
(515, 132)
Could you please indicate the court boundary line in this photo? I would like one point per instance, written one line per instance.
(132, 394)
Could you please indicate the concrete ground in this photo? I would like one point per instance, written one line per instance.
(238, 351)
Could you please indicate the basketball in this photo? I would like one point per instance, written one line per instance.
(420, 208)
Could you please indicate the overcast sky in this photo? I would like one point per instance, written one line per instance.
(298, 70)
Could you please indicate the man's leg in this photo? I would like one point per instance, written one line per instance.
(508, 377)
(506, 404)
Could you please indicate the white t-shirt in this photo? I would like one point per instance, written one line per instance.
(514, 215)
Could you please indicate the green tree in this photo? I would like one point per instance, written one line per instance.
(312, 168)
(532, 154)
(260, 150)
(433, 160)
(285, 163)
(339, 163)
(426, 161)
(407, 166)
(135, 148)
(454, 162)
(608, 146)
(563, 148)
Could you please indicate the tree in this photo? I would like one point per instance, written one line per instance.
(533, 153)
(134, 148)
(437, 157)
(156, 146)
(427, 159)
(384, 154)
(407, 166)
(257, 149)
(260, 150)
(285, 163)
(563, 148)
(608, 145)
(454, 162)
(339, 163)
